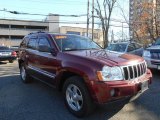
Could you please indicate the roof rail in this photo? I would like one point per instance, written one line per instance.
(37, 32)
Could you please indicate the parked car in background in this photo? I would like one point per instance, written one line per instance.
(126, 47)
(152, 55)
(14, 48)
(82, 70)
(6, 54)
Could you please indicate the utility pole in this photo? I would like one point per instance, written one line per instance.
(112, 37)
(92, 18)
(87, 17)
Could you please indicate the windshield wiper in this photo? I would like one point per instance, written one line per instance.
(72, 50)
(82, 49)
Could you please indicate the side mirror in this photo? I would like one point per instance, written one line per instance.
(43, 48)
(53, 52)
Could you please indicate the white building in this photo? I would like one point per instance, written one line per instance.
(12, 31)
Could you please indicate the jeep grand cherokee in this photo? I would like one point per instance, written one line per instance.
(83, 71)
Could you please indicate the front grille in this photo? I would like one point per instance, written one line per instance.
(155, 54)
(155, 62)
(134, 71)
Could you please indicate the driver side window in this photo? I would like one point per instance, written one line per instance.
(43, 42)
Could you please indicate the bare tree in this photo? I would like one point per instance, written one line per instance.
(126, 19)
(152, 27)
(105, 17)
(144, 24)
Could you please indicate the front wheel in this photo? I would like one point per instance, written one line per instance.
(77, 98)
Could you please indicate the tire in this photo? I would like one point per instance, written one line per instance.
(11, 61)
(76, 97)
(24, 75)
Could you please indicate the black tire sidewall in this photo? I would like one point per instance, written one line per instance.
(27, 78)
(87, 103)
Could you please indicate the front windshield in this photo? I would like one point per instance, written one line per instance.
(117, 47)
(157, 42)
(74, 42)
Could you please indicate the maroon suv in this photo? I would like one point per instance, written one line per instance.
(80, 68)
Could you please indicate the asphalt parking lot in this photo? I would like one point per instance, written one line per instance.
(37, 101)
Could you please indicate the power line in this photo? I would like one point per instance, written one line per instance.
(57, 2)
(63, 22)
(23, 13)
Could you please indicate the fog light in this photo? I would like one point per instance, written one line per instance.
(112, 92)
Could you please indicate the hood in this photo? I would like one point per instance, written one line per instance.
(155, 47)
(107, 57)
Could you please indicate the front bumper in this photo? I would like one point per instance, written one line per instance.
(153, 63)
(122, 89)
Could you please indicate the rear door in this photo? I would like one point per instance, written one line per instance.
(31, 56)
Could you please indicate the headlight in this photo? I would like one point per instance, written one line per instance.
(110, 74)
(146, 53)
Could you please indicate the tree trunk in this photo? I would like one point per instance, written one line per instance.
(105, 39)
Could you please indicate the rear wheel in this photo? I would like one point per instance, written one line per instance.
(77, 98)
(24, 75)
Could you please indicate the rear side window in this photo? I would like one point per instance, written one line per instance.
(32, 43)
(24, 43)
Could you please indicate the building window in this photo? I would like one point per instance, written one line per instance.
(72, 32)
(95, 36)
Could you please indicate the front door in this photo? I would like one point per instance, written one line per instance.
(46, 62)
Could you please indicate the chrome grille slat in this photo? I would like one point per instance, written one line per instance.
(143, 68)
(134, 71)
(128, 73)
(140, 69)
(137, 70)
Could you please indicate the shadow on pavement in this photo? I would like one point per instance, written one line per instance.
(155, 72)
(149, 101)
(1, 63)
(36, 101)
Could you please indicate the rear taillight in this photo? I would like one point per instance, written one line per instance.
(14, 54)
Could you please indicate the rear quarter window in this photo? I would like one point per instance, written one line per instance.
(24, 43)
